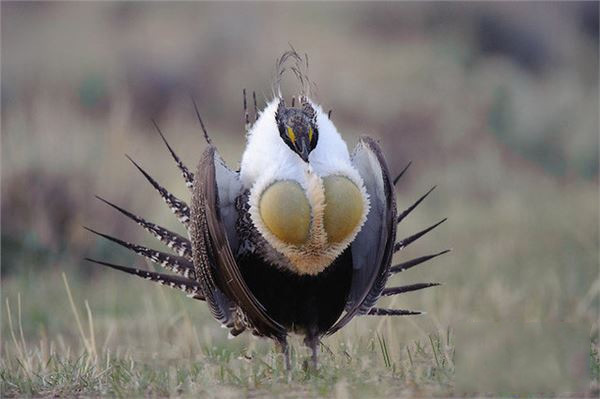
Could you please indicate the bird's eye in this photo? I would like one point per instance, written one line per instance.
(291, 135)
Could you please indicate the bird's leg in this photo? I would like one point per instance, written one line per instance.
(312, 341)
(286, 354)
(285, 350)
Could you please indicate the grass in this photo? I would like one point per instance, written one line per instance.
(219, 370)
(123, 337)
(212, 367)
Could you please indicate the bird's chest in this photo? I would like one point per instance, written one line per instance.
(307, 222)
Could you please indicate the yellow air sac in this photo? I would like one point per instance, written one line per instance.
(285, 211)
(343, 207)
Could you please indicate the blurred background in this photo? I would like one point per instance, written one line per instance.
(496, 103)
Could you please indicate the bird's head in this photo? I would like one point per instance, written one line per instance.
(298, 127)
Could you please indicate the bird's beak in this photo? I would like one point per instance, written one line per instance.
(303, 149)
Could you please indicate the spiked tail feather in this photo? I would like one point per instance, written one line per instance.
(187, 175)
(246, 115)
(206, 136)
(408, 240)
(407, 288)
(402, 173)
(172, 240)
(255, 106)
(177, 206)
(392, 312)
(177, 264)
(414, 262)
(191, 288)
(408, 210)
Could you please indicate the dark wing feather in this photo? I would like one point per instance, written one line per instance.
(204, 258)
(219, 272)
(372, 250)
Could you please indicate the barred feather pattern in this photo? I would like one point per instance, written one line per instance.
(176, 242)
(185, 172)
(392, 312)
(177, 264)
(182, 264)
(191, 288)
(177, 206)
(193, 291)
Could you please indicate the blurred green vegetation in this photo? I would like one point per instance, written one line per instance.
(496, 103)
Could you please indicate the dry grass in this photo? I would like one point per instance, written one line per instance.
(168, 351)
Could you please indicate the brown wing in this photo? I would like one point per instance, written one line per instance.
(373, 248)
(216, 267)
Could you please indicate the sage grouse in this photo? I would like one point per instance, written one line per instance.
(299, 240)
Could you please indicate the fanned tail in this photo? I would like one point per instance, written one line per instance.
(375, 311)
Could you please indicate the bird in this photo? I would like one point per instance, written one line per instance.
(299, 240)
